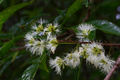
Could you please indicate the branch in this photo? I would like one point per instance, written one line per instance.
(68, 42)
(17, 49)
(77, 42)
(69, 37)
(87, 15)
(113, 69)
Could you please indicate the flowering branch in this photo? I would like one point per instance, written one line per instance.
(113, 69)
(69, 42)
(41, 38)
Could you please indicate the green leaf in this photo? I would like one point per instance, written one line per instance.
(5, 35)
(14, 56)
(106, 9)
(106, 26)
(30, 72)
(43, 65)
(5, 14)
(86, 3)
(4, 67)
(39, 59)
(42, 62)
(60, 17)
(92, 35)
(73, 9)
(5, 62)
(6, 47)
(1, 1)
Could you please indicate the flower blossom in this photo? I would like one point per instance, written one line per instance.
(57, 63)
(84, 31)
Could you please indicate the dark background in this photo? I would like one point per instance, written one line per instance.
(14, 58)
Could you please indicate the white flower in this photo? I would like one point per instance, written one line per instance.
(97, 57)
(29, 36)
(83, 52)
(72, 59)
(106, 64)
(41, 37)
(84, 31)
(52, 30)
(42, 21)
(93, 60)
(37, 47)
(52, 44)
(95, 49)
(80, 51)
(57, 63)
(34, 27)
(92, 53)
(38, 28)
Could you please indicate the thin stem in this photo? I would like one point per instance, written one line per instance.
(74, 42)
(17, 49)
(69, 37)
(65, 43)
(69, 42)
(87, 15)
(79, 69)
(113, 69)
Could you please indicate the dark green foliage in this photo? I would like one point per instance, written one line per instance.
(5, 48)
(72, 9)
(5, 14)
(30, 72)
(1, 1)
(17, 17)
(106, 26)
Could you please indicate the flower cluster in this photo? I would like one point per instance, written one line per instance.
(42, 36)
(84, 32)
(57, 63)
(72, 60)
(94, 53)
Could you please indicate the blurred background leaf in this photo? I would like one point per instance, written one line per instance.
(30, 72)
(5, 14)
(1, 1)
(72, 9)
(7, 46)
(106, 26)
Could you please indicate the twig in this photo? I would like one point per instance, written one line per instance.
(87, 15)
(77, 42)
(110, 44)
(113, 69)
(69, 42)
(17, 49)
(69, 37)
(60, 36)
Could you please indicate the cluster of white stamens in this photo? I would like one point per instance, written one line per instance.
(84, 31)
(72, 60)
(42, 37)
(96, 55)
